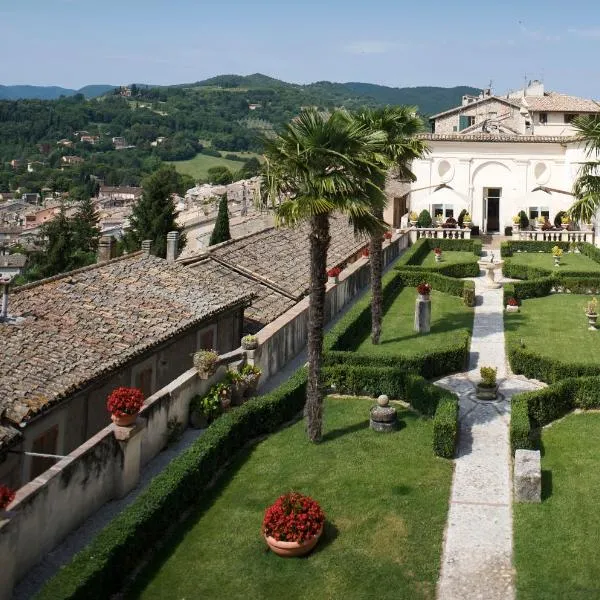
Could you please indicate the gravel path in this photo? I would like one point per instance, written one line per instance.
(477, 555)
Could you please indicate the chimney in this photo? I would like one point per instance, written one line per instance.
(172, 245)
(105, 247)
(5, 283)
(146, 247)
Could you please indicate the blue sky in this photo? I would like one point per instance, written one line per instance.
(393, 42)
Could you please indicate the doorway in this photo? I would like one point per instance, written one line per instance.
(491, 201)
(400, 209)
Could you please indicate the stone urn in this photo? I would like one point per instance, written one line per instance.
(291, 549)
(413, 223)
(383, 416)
(557, 261)
(565, 226)
(124, 420)
(438, 258)
(486, 392)
(512, 308)
(592, 318)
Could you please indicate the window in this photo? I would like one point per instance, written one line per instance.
(539, 211)
(465, 121)
(44, 444)
(445, 211)
(543, 118)
(569, 117)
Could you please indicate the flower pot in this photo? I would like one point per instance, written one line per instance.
(413, 223)
(557, 261)
(565, 226)
(225, 402)
(333, 279)
(592, 321)
(205, 373)
(124, 420)
(238, 391)
(290, 549)
(438, 258)
(511, 308)
(250, 345)
(251, 386)
(484, 392)
(424, 297)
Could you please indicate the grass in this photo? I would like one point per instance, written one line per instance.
(545, 260)
(449, 257)
(198, 166)
(385, 497)
(557, 542)
(448, 314)
(555, 326)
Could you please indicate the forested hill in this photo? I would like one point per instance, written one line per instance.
(36, 92)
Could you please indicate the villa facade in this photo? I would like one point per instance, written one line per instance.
(495, 156)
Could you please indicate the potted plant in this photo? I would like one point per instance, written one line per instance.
(424, 289)
(539, 222)
(413, 217)
(237, 385)
(487, 388)
(333, 274)
(450, 223)
(124, 404)
(565, 221)
(591, 310)
(249, 342)
(223, 392)
(7, 495)
(365, 252)
(467, 220)
(251, 375)
(206, 362)
(293, 524)
(387, 235)
(205, 409)
(439, 220)
(512, 305)
(557, 253)
(437, 251)
(516, 222)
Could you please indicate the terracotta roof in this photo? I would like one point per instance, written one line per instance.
(13, 260)
(555, 102)
(509, 101)
(83, 324)
(489, 137)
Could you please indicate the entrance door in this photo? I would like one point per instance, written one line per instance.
(399, 209)
(492, 205)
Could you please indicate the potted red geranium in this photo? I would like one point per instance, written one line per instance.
(512, 305)
(333, 274)
(424, 289)
(387, 235)
(293, 524)
(365, 252)
(6, 496)
(438, 254)
(124, 404)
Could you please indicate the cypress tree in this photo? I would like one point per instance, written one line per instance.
(221, 231)
(56, 257)
(85, 227)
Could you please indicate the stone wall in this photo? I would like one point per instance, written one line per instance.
(492, 109)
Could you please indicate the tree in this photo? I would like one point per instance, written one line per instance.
(154, 215)
(399, 124)
(219, 175)
(586, 188)
(314, 168)
(85, 227)
(220, 232)
(56, 257)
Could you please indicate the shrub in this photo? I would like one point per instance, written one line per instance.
(488, 376)
(520, 427)
(558, 218)
(445, 428)
(461, 217)
(125, 401)
(523, 220)
(293, 517)
(424, 219)
(221, 231)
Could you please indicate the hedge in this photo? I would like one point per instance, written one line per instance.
(101, 568)
(415, 255)
(508, 248)
(398, 383)
(532, 410)
(442, 283)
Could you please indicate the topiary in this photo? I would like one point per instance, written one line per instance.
(461, 217)
(523, 220)
(221, 230)
(558, 218)
(424, 219)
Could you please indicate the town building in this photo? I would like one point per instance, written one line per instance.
(497, 155)
(12, 265)
(118, 196)
(71, 160)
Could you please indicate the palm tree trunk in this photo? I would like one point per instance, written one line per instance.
(319, 242)
(376, 258)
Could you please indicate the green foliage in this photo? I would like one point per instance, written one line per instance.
(100, 569)
(442, 283)
(221, 232)
(520, 428)
(154, 215)
(445, 428)
(461, 217)
(488, 376)
(523, 220)
(424, 219)
(219, 175)
(558, 218)
(86, 231)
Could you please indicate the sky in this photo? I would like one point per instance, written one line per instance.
(73, 43)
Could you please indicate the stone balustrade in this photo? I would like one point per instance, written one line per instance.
(439, 233)
(554, 236)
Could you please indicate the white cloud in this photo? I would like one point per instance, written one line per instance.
(592, 32)
(370, 47)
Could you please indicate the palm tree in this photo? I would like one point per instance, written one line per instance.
(586, 188)
(316, 167)
(399, 125)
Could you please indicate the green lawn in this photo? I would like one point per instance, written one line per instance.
(555, 326)
(449, 257)
(557, 542)
(385, 497)
(448, 314)
(544, 260)
(198, 166)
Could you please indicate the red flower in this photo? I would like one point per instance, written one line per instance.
(125, 401)
(293, 518)
(6, 496)
(365, 252)
(387, 235)
(437, 250)
(424, 289)
(334, 272)
(513, 302)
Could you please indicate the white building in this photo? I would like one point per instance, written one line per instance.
(497, 155)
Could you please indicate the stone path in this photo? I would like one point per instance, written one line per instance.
(477, 555)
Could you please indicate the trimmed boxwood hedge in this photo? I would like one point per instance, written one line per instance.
(442, 283)
(101, 568)
(532, 410)
(415, 255)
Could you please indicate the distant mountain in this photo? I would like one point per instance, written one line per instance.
(36, 92)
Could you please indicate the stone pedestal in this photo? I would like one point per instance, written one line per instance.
(130, 441)
(527, 478)
(383, 416)
(422, 314)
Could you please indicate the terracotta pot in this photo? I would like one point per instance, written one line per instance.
(125, 420)
(290, 549)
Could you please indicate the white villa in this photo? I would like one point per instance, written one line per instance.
(497, 155)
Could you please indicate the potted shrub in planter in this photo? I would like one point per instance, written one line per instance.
(387, 236)
(565, 221)
(512, 305)
(539, 222)
(516, 223)
(293, 524)
(333, 274)
(124, 404)
(206, 362)
(487, 388)
(413, 217)
(7, 495)
(450, 223)
(557, 253)
(251, 375)
(237, 385)
(438, 254)
(249, 342)
(591, 310)
(467, 221)
(205, 409)
(424, 289)
(223, 391)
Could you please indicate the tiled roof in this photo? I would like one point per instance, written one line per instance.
(490, 137)
(13, 260)
(555, 102)
(509, 101)
(280, 257)
(83, 324)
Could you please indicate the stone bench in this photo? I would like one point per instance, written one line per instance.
(527, 476)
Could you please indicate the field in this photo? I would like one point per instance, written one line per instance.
(449, 257)
(568, 262)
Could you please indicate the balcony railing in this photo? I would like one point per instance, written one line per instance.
(554, 236)
(439, 233)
